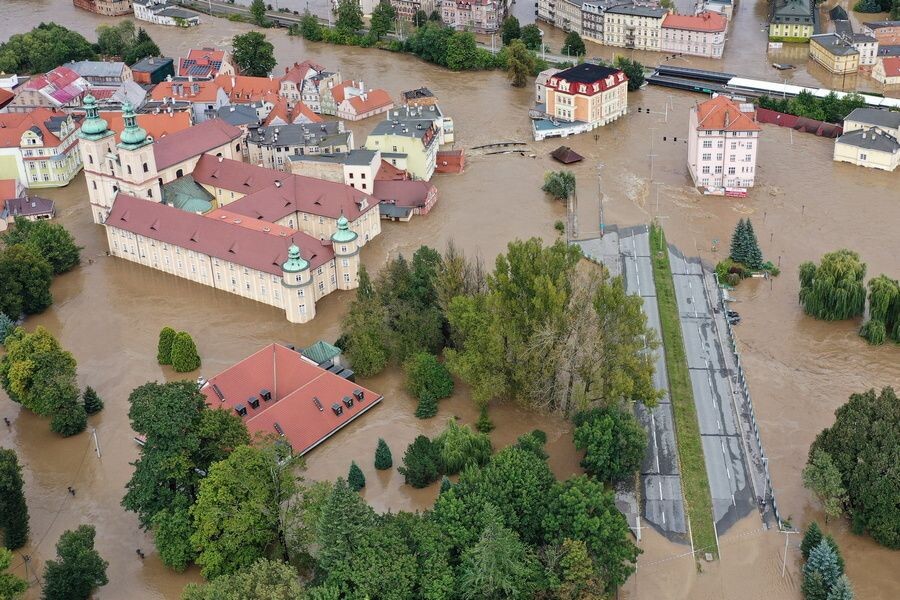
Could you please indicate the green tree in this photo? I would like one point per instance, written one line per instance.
(834, 290)
(822, 477)
(841, 590)
(364, 330)
(613, 441)
(13, 509)
(382, 20)
(142, 47)
(348, 16)
(446, 484)
(559, 184)
(45, 47)
(356, 479)
(258, 13)
(25, 278)
(383, 458)
(460, 447)
(164, 346)
(884, 311)
(578, 577)
(862, 444)
(49, 240)
(91, 400)
(421, 463)
(172, 528)
(237, 516)
(69, 419)
(574, 45)
(534, 441)
(462, 52)
(520, 63)
(531, 37)
(420, 18)
(184, 353)
(633, 70)
(435, 16)
(78, 568)
(427, 406)
(426, 377)
(754, 254)
(510, 30)
(811, 539)
(739, 250)
(823, 560)
(11, 587)
(310, 28)
(6, 327)
(114, 40)
(263, 580)
(813, 586)
(253, 54)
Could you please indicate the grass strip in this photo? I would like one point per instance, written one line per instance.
(694, 481)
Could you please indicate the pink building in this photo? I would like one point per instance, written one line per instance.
(478, 16)
(699, 35)
(722, 144)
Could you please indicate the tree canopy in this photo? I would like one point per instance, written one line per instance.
(834, 290)
(348, 15)
(745, 246)
(253, 54)
(78, 568)
(510, 30)
(520, 63)
(531, 37)
(49, 240)
(559, 184)
(574, 45)
(613, 441)
(262, 580)
(42, 49)
(382, 21)
(884, 311)
(11, 587)
(25, 278)
(13, 510)
(633, 70)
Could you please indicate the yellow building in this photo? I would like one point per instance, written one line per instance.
(39, 148)
(630, 26)
(408, 140)
(792, 20)
(835, 53)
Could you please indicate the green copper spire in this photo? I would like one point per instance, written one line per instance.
(133, 136)
(93, 127)
(343, 235)
(295, 263)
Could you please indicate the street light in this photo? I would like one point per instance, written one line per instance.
(543, 47)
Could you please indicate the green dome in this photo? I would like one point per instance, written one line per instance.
(344, 235)
(93, 124)
(133, 135)
(295, 263)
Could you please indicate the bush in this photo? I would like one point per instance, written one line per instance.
(460, 447)
(69, 420)
(184, 353)
(427, 407)
(560, 227)
(164, 346)
(534, 442)
(484, 423)
(6, 327)
(427, 378)
(92, 402)
(421, 463)
(613, 441)
(355, 479)
(383, 458)
(559, 184)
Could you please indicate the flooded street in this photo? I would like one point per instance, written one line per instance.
(108, 313)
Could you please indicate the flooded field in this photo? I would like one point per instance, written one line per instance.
(109, 313)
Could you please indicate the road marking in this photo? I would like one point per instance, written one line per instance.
(723, 447)
(659, 482)
(664, 515)
(655, 443)
(733, 503)
(728, 472)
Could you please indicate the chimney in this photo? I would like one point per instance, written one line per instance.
(221, 158)
(233, 82)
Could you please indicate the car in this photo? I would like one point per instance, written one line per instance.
(732, 314)
(734, 320)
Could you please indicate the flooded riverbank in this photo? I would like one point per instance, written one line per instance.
(108, 313)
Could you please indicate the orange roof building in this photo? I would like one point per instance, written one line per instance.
(205, 63)
(723, 139)
(28, 139)
(699, 35)
(157, 125)
(205, 96)
(283, 114)
(243, 89)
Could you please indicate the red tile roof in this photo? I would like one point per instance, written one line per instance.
(388, 172)
(711, 22)
(298, 72)
(219, 238)
(194, 141)
(201, 62)
(290, 116)
(272, 195)
(6, 97)
(293, 382)
(157, 125)
(891, 66)
(7, 190)
(721, 114)
(372, 100)
(243, 89)
(190, 91)
(409, 194)
(13, 125)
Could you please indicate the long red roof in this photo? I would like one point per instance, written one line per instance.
(709, 22)
(293, 382)
(721, 114)
(194, 141)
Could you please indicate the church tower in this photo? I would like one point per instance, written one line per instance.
(346, 255)
(299, 301)
(96, 142)
(136, 163)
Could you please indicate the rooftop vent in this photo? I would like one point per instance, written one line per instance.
(240, 409)
(278, 429)
(218, 393)
(265, 394)
(358, 394)
(253, 401)
(348, 401)
(318, 403)
(338, 409)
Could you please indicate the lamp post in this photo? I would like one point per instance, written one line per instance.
(543, 47)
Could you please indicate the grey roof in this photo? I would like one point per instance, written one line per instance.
(871, 140)
(131, 92)
(151, 64)
(793, 11)
(835, 44)
(875, 116)
(238, 114)
(177, 13)
(881, 24)
(29, 206)
(358, 157)
(889, 50)
(96, 68)
(393, 211)
(408, 122)
(862, 38)
(318, 134)
(843, 27)
(639, 11)
(422, 92)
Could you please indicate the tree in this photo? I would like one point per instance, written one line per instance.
(813, 586)
(184, 353)
(382, 20)
(862, 444)
(579, 578)
(6, 327)
(884, 311)
(834, 290)
(427, 406)
(13, 509)
(421, 463)
(842, 590)
(25, 278)
(263, 580)
(510, 30)
(70, 419)
(237, 516)
(172, 528)
(143, 47)
(364, 330)
(559, 184)
(356, 479)
(669, 4)
(11, 587)
(613, 441)
(310, 28)
(78, 569)
(462, 52)
(499, 565)
(633, 70)
(574, 45)
(420, 18)
(91, 400)
(531, 37)
(754, 254)
(435, 16)
(258, 13)
(520, 63)
(460, 447)
(446, 484)
(42, 49)
(822, 559)
(114, 40)
(427, 378)
(824, 480)
(348, 16)
(253, 54)
(164, 346)
(383, 458)
(811, 539)
(49, 240)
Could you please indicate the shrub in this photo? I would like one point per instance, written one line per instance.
(164, 346)
(6, 327)
(460, 447)
(92, 402)
(484, 423)
(69, 420)
(356, 479)
(559, 184)
(613, 441)
(421, 463)
(427, 407)
(534, 442)
(383, 458)
(184, 353)
(427, 378)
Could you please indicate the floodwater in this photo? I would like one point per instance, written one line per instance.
(108, 313)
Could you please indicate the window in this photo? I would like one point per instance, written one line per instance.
(351, 175)
(706, 170)
(718, 169)
(302, 309)
(128, 167)
(719, 156)
(731, 170)
(321, 286)
(707, 156)
(345, 262)
(344, 249)
(346, 277)
(748, 158)
(862, 156)
(734, 145)
(146, 168)
(90, 159)
(707, 143)
(319, 271)
(94, 183)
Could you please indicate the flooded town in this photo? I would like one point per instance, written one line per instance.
(777, 373)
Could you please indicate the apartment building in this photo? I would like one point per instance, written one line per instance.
(108, 8)
(792, 20)
(723, 139)
(479, 16)
(886, 32)
(871, 139)
(834, 52)
(272, 146)
(408, 140)
(630, 26)
(39, 148)
(698, 35)
(59, 89)
(406, 9)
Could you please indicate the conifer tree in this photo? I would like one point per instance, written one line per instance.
(841, 590)
(823, 559)
(13, 510)
(355, 479)
(813, 586)
(738, 242)
(184, 353)
(446, 484)
(383, 458)
(754, 254)
(92, 402)
(811, 539)
(164, 347)
(427, 407)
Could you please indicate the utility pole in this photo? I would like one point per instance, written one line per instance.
(600, 197)
(787, 533)
(657, 184)
(652, 131)
(96, 441)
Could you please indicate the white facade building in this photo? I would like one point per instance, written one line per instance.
(723, 139)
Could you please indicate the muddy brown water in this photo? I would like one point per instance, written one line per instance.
(108, 313)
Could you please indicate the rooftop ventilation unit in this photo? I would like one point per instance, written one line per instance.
(337, 408)
(358, 394)
(348, 374)
(318, 403)
(253, 401)
(348, 401)
(218, 393)
(240, 409)
(278, 429)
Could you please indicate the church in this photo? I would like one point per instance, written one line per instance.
(186, 205)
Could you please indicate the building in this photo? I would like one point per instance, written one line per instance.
(886, 32)
(887, 71)
(722, 7)
(418, 97)
(304, 82)
(407, 140)
(792, 20)
(285, 113)
(109, 8)
(272, 146)
(867, 46)
(723, 138)
(478, 16)
(356, 168)
(351, 101)
(159, 12)
(244, 89)
(870, 139)
(277, 391)
(101, 73)
(157, 125)
(153, 69)
(205, 63)
(592, 19)
(834, 52)
(139, 165)
(540, 84)
(698, 35)
(30, 208)
(60, 89)
(205, 96)
(39, 148)
(399, 200)
(406, 9)
(632, 26)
